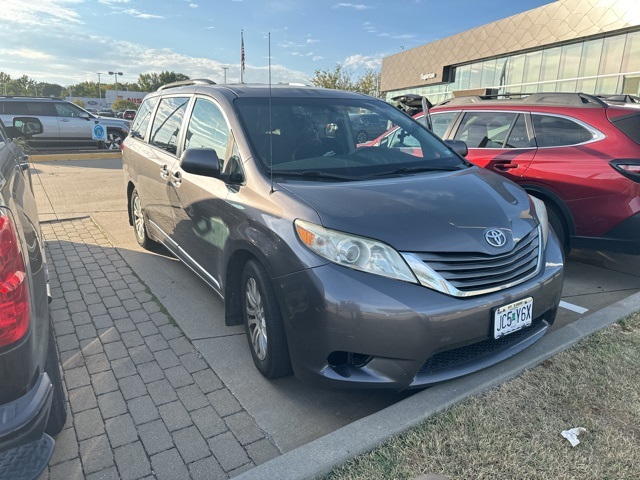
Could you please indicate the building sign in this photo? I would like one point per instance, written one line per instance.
(428, 76)
(135, 97)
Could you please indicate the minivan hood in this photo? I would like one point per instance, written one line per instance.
(433, 212)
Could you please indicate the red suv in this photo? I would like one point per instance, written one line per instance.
(576, 152)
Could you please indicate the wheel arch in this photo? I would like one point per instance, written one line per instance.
(233, 280)
(550, 198)
(130, 188)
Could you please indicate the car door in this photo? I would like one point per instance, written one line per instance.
(74, 124)
(199, 202)
(500, 141)
(155, 164)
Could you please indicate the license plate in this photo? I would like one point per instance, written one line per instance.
(513, 317)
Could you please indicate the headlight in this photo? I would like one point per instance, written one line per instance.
(541, 212)
(355, 252)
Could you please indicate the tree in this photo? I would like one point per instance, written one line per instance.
(122, 104)
(150, 82)
(339, 79)
(78, 102)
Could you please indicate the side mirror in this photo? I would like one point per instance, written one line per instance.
(201, 161)
(27, 126)
(458, 146)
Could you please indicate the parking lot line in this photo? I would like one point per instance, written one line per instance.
(573, 308)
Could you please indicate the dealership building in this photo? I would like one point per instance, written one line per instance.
(590, 46)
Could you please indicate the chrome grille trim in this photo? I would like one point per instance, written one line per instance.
(470, 274)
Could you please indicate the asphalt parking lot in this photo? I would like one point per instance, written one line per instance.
(267, 418)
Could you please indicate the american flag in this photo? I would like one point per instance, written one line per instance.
(241, 51)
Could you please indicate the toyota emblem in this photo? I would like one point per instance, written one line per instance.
(495, 237)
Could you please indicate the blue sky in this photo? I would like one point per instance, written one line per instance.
(68, 41)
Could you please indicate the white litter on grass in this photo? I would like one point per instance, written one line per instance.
(572, 435)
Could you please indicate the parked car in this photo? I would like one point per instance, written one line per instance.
(355, 267)
(32, 398)
(64, 123)
(368, 126)
(129, 114)
(576, 152)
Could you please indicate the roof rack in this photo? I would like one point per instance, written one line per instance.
(619, 98)
(183, 83)
(547, 98)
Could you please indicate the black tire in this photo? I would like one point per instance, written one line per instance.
(139, 224)
(263, 322)
(361, 136)
(58, 413)
(557, 223)
(114, 140)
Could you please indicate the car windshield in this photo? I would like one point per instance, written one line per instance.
(318, 139)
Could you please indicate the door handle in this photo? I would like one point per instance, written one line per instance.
(64, 119)
(177, 178)
(164, 172)
(505, 166)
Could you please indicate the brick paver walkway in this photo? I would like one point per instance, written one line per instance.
(143, 402)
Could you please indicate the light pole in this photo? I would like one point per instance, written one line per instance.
(115, 74)
(225, 73)
(99, 91)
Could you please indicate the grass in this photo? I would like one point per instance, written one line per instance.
(513, 432)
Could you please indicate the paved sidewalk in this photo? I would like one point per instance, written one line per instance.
(143, 402)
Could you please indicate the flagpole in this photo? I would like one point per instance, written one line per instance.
(241, 56)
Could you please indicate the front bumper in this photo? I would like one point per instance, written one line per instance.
(23, 420)
(351, 329)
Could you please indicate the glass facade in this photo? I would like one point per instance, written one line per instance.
(601, 65)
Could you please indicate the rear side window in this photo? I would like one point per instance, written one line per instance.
(141, 121)
(166, 126)
(485, 129)
(553, 131)
(630, 126)
(441, 122)
(44, 108)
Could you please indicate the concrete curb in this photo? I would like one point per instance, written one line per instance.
(55, 157)
(322, 455)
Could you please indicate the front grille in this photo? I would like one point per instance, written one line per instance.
(472, 272)
(474, 353)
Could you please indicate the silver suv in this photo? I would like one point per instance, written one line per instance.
(64, 123)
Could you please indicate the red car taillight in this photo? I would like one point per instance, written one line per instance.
(628, 168)
(15, 310)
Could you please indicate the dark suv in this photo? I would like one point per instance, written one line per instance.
(578, 153)
(354, 266)
(64, 123)
(32, 399)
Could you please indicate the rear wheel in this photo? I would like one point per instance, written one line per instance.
(58, 413)
(557, 223)
(263, 322)
(139, 226)
(113, 142)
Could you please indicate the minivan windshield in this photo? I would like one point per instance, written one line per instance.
(321, 139)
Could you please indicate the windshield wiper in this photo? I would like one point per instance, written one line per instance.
(400, 171)
(315, 174)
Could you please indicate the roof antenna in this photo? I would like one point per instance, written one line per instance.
(270, 125)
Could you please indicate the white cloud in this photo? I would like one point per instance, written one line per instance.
(355, 6)
(355, 62)
(112, 2)
(41, 13)
(25, 53)
(135, 13)
(193, 5)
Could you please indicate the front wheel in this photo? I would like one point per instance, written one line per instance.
(263, 322)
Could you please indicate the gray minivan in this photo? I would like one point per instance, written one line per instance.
(64, 123)
(353, 266)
